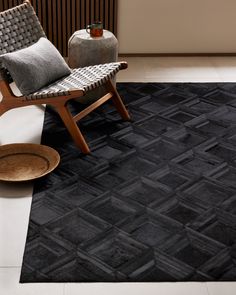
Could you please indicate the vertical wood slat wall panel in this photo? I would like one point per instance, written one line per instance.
(64, 29)
(49, 17)
(54, 23)
(82, 13)
(60, 18)
(106, 11)
(59, 25)
(73, 17)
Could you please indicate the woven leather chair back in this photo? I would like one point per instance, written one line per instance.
(19, 28)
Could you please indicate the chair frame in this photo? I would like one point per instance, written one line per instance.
(60, 103)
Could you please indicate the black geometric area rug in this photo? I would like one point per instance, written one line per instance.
(154, 201)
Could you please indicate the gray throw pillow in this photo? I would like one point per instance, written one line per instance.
(35, 66)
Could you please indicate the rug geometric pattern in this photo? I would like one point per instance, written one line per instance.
(154, 201)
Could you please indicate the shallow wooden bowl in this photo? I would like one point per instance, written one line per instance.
(26, 161)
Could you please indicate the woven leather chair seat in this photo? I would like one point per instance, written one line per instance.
(85, 79)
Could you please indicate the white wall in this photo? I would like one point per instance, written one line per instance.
(177, 26)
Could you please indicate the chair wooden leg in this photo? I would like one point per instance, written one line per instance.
(118, 101)
(2, 109)
(73, 128)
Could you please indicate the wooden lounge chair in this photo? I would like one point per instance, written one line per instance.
(20, 28)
